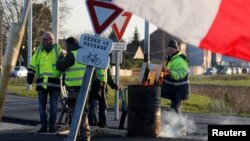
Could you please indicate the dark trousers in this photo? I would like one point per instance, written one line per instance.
(85, 131)
(53, 98)
(102, 104)
(176, 104)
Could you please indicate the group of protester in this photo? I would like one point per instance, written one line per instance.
(49, 64)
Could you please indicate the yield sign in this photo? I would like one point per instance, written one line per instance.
(121, 24)
(102, 14)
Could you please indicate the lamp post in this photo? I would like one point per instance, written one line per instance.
(1, 39)
(20, 58)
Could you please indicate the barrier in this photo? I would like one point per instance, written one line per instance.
(144, 110)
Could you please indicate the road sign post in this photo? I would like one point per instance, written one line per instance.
(94, 53)
(118, 47)
(119, 28)
(20, 60)
(117, 74)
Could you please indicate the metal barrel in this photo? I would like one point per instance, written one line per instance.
(144, 110)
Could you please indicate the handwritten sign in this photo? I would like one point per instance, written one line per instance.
(95, 51)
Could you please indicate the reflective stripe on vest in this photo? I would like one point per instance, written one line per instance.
(48, 84)
(74, 74)
(176, 83)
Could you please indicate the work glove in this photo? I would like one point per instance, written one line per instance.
(29, 86)
(116, 87)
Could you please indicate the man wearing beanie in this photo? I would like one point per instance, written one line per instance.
(176, 84)
(74, 73)
(47, 77)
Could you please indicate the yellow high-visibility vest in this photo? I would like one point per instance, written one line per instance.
(43, 63)
(101, 74)
(74, 74)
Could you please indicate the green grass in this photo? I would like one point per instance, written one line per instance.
(21, 91)
(17, 86)
(195, 104)
(229, 80)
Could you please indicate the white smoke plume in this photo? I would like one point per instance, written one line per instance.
(231, 120)
(175, 125)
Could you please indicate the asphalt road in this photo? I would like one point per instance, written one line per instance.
(20, 122)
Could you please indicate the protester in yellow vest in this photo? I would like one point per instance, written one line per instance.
(43, 67)
(98, 95)
(74, 73)
(176, 83)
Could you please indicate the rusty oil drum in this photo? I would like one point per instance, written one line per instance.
(144, 110)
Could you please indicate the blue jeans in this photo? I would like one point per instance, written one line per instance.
(42, 98)
(102, 111)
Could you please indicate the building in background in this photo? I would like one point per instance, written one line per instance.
(199, 60)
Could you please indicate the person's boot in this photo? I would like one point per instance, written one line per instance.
(43, 129)
(102, 125)
(52, 129)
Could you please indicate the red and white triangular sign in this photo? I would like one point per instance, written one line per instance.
(121, 24)
(102, 14)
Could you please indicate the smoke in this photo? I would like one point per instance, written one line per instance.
(175, 125)
(181, 126)
(231, 120)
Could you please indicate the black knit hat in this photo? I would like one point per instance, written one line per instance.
(71, 40)
(173, 44)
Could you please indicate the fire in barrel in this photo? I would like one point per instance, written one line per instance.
(144, 108)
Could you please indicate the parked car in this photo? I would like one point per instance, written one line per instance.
(19, 71)
(229, 71)
(238, 70)
(210, 71)
(245, 70)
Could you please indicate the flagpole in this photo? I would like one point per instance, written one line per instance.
(55, 17)
(15, 36)
(30, 26)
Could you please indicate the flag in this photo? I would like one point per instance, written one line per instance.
(221, 26)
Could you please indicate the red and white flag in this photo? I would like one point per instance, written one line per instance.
(222, 26)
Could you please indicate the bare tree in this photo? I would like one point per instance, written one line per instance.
(11, 13)
(42, 18)
(41, 21)
(64, 11)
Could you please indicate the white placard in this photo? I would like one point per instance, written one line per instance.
(97, 43)
(119, 46)
(95, 51)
